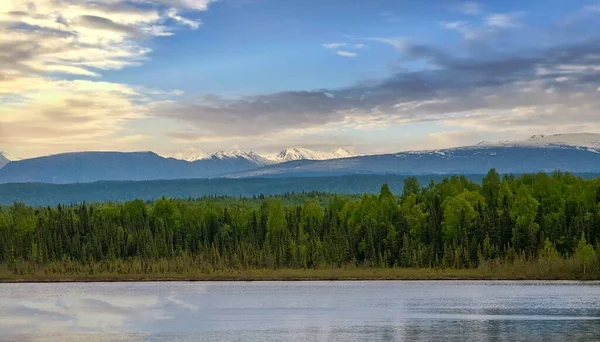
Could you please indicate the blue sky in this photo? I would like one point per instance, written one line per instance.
(278, 45)
(371, 76)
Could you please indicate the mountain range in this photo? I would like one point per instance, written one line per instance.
(194, 153)
(579, 153)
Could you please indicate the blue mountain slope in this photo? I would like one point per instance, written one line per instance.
(84, 167)
(471, 160)
(88, 167)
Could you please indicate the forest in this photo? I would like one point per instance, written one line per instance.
(43, 194)
(541, 225)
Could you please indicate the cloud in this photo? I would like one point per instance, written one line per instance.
(334, 45)
(455, 25)
(471, 32)
(344, 53)
(344, 45)
(94, 22)
(193, 24)
(504, 20)
(499, 92)
(397, 42)
(199, 5)
(69, 112)
(492, 25)
(52, 56)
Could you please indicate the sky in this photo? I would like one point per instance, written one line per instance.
(370, 76)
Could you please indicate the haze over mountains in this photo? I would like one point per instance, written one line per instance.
(579, 153)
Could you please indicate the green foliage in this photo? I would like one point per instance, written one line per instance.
(553, 219)
(585, 252)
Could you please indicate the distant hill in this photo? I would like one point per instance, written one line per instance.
(576, 153)
(467, 160)
(52, 194)
(38, 194)
(85, 167)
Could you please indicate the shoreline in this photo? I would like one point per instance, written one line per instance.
(303, 275)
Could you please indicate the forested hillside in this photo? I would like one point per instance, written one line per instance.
(38, 194)
(552, 220)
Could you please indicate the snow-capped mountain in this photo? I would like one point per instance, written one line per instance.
(240, 154)
(190, 154)
(300, 153)
(578, 153)
(193, 153)
(580, 140)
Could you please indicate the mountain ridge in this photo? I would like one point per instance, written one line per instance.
(577, 153)
(471, 160)
(193, 153)
(583, 140)
(301, 153)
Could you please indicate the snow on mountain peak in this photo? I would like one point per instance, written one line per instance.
(193, 153)
(301, 153)
(248, 155)
(341, 153)
(585, 140)
(189, 153)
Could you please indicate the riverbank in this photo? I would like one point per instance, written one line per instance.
(340, 274)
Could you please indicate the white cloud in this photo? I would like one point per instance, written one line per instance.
(492, 25)
(454, 25)
(503, 20)
(198, 5)
(347, 48)
(344, 45)
(334, 45)
(44, 41)
(193, 24)
(347, 53)
(397, 42)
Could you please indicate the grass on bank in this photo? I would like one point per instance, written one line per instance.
(161, 270)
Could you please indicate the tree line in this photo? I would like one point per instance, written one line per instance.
(454, 223)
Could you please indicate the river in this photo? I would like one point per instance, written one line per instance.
(301, 311)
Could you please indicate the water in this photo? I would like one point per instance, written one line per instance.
(301, 311)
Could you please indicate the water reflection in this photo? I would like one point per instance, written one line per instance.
(312, 311)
